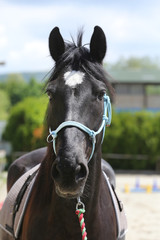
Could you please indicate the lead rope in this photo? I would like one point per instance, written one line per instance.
(80, 210)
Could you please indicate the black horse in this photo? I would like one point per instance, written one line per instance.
(71, 168)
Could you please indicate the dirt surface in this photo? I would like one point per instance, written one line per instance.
(142, 209)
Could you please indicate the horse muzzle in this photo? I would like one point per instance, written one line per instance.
(69, 177)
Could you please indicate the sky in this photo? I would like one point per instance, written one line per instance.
(132, 28)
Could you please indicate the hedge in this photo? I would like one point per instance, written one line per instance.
(133, 133)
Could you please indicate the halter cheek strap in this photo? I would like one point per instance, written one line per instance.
(106, 121)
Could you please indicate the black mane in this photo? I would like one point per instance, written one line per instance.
(77, 57)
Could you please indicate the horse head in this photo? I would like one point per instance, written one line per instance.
(76, 91)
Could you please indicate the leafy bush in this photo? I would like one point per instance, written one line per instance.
(15, 87)
(4, 105)
(25, 125)
(133, 133)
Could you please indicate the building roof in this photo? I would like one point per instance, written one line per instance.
(138, 76)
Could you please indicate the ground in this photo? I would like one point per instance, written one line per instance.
(142, 209)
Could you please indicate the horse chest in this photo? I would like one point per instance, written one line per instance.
(42, 227)
(103, 228)
(52, 232)
(48, 226)
(61, 233)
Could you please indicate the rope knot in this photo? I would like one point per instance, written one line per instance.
(106, 98)
(107, 121)
(80, 211)
(105, 118)
(52, 134)
(93, 136)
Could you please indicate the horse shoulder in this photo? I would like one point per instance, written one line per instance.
(23, 164)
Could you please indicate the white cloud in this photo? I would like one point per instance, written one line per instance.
(3, 37)
(3, 41)
(33, 56)
(38, 48)
(2, 29)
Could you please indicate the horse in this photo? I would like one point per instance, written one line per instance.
(70, 171)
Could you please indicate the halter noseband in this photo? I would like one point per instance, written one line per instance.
(106, 120)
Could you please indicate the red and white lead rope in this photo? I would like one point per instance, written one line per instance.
(80, 210)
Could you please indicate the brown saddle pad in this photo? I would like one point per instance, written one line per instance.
(13, 209)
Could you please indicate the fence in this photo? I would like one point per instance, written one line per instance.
(131, 157)
(112, 156)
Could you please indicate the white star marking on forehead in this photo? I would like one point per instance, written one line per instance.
(73, 78)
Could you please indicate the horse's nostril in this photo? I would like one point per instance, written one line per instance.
(80, 173)
(55, 171)
(68, 174)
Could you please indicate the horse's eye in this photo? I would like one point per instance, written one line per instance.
(100, 95)
(49, 95)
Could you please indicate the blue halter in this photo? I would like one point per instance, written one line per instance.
(106, 120)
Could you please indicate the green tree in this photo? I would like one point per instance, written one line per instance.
(25, 124)
(34, 88)
(15, 87)
(4, 105)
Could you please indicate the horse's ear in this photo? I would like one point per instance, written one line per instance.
(98, 45)
(56, 44)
